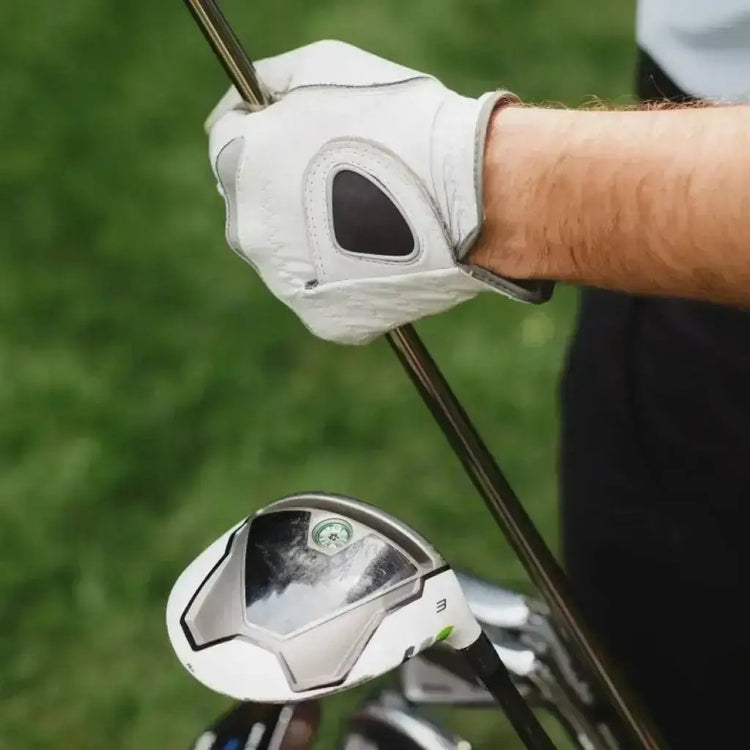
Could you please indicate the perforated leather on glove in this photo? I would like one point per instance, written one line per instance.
(357, 194)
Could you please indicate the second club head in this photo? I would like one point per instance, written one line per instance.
(263, 726)
(440, 676)
(385, 725)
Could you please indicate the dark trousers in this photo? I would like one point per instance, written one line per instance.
(655, 468)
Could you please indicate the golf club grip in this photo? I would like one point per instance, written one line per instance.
(489, 668)
(460, 432)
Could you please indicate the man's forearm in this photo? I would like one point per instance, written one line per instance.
(648, 202)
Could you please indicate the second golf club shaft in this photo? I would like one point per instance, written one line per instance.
(522, 534)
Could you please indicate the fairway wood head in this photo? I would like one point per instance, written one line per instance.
(263, 726)
(312, 595)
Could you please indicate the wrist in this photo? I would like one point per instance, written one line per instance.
(522, 149)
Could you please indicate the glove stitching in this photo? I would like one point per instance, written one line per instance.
(359, 86)
(439, 186)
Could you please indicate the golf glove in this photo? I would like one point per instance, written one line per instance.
(357, 194)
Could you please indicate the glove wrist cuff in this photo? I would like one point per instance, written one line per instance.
(534, 291)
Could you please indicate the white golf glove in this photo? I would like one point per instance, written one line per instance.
(357, 194)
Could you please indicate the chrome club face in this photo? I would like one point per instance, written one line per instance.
(311, 595)
(383, 724)
(437, 676)
(535, 655)
(510, 618)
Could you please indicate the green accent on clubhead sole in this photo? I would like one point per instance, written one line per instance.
(444, 633)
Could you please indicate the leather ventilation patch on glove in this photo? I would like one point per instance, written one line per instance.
(365, 220)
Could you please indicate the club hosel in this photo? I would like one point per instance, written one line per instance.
(482, 656)
(464, 628)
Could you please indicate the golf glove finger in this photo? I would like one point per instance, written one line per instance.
(357, 194)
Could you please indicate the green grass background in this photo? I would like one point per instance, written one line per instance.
(152, 392)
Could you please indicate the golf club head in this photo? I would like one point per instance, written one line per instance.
(495, 605)
(385, 725)
(312, 595)
(511, 618)
(263, 726)
(439, 676)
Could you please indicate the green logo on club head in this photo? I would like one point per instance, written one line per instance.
(334, 533)
(444, 633)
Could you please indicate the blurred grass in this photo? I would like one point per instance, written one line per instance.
(152, 392)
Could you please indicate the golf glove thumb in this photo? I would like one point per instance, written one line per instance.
(357, 194)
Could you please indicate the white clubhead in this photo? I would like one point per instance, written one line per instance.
(311, 595)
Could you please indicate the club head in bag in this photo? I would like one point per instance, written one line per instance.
(509, 617)
(439, 676)
(263, 726)
(312, 595)
(385, 725)
(496, 605)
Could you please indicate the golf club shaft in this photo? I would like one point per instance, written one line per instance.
(479, 463)
(228, 49)
(522, 534)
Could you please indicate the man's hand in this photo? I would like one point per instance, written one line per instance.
(357, 194)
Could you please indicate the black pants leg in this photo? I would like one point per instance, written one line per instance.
(655, 471)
